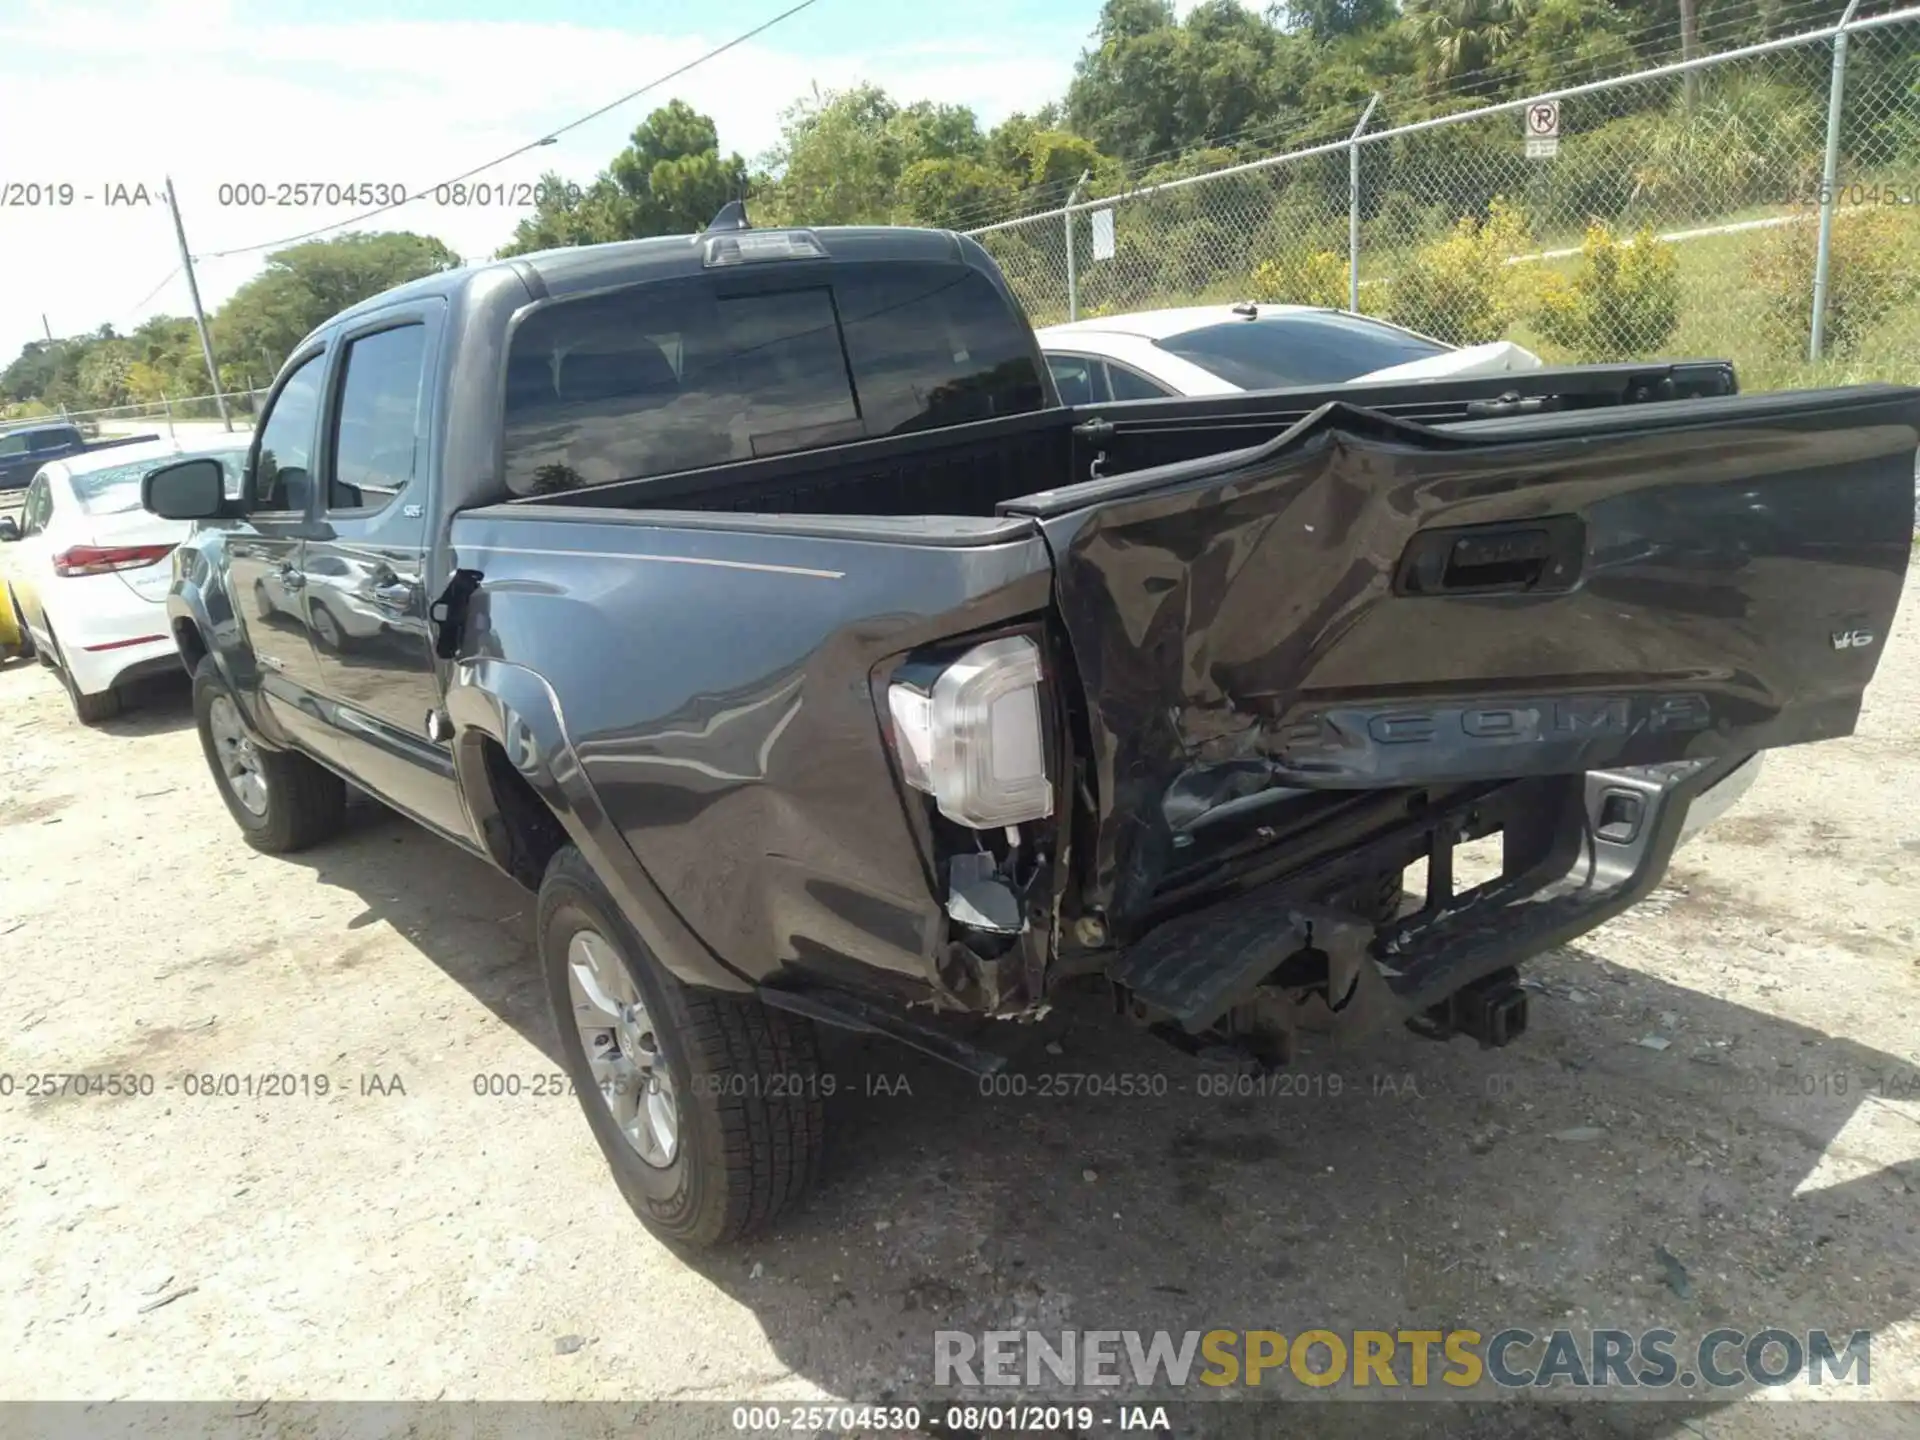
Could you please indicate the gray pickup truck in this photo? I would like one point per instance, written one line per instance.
(751, 598)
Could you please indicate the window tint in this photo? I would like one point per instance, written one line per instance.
(281, 481)
(1316, 348)
(53, 439)
(679, 374)
(1076, 378)
(1125, 384)
(375, 432)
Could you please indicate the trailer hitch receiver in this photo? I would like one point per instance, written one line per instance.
(1493, 1010)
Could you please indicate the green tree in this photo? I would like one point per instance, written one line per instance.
(952, 194)
(841, 153)
(670, 180)
(1461, 39)
(306, 284)
(1326, 20)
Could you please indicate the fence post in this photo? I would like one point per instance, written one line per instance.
(1066, 218)
(1829, 179)
(1353, 205)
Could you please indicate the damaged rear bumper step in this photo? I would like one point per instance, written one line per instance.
(1603, 851)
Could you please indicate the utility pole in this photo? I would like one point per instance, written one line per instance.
(46, 327)
(1689, 47)
(199, 315)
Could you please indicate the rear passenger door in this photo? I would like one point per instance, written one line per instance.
(366, 566)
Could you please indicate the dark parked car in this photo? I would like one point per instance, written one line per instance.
(751, 598)
(24, 449)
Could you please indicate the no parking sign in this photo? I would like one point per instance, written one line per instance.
(1541, 121)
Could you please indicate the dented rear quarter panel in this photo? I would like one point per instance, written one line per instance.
(715, 685)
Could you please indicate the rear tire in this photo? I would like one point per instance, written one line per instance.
(281, 801)
(742, 1079)
(88, 709)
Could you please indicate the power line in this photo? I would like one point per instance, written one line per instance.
(547, 139)
(141, 302)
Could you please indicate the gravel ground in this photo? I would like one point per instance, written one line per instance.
(1726, 1077)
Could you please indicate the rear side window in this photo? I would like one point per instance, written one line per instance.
(1315, 348)
(679, 374)
(46, 440)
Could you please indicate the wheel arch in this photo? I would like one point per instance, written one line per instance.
(528, 796)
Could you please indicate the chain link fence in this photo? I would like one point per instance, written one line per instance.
(1684, 212)
(177, 416)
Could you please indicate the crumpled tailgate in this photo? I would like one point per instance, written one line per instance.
(1368, 603)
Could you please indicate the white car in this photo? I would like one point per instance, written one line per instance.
(1225, 349)
(88, 572)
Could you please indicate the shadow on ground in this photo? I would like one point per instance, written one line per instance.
(1573, 1179)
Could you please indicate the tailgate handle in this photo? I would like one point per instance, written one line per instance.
(1539, 555)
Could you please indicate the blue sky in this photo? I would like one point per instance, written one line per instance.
(410, 92)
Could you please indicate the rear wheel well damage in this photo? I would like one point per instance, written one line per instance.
(519, 829)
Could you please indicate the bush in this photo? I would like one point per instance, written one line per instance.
(1461, 289)
(1303, 277)
(1624, 304)
(1873, 267)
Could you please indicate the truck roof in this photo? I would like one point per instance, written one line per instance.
(33, 427)
(623, 262)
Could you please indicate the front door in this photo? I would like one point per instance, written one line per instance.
(366, 568)
(264, 577)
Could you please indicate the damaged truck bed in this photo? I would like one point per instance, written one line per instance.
(815, 665)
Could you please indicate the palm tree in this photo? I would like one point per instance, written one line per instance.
(1463, 37)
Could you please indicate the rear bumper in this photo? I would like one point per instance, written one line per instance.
(1630, 821)
(1578, 850)
(1715, 802)
(109, 633)
(97, 671)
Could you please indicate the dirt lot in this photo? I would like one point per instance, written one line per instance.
(405, 1236)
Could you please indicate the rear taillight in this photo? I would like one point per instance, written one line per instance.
(102, 559)
(972, 739)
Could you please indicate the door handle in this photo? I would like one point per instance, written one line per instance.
(1541, 555)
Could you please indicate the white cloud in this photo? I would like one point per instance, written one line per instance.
(182, 87)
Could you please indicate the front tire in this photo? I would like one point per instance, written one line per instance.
(707, 1105)
(281, 801)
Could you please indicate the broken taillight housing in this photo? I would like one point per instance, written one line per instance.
(972, 737)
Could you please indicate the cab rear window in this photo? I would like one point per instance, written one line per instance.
(679, 374)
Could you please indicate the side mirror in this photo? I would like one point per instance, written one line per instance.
(9, 528)
(189, 490)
